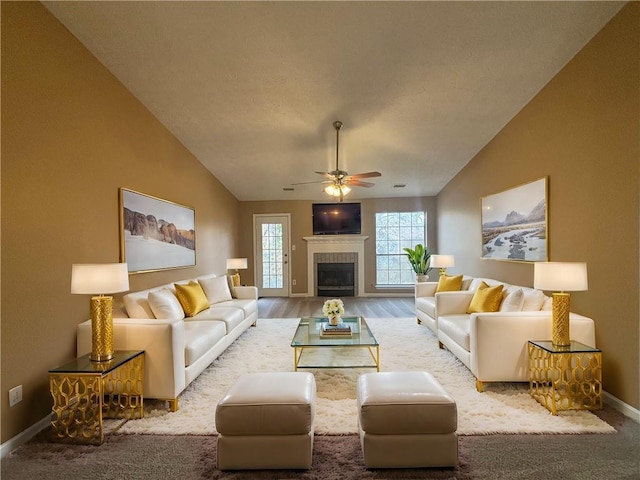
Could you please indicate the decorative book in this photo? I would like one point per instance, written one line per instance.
(343, 329)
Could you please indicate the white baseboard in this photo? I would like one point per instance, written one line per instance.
(624, 408)
(10, 445)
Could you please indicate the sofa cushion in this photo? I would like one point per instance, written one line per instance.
(427, 305)
(230, 316)
(448, 283)
(216, 289)
(533, 300)
(192, 298)
(457, 328)
(164, 304)
(248, 306)
(513, 300)
(486, 299)
(199, 337)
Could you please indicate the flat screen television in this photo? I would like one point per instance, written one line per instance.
(336, 219)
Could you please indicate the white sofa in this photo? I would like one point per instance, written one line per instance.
(178, 348)
(493, 345)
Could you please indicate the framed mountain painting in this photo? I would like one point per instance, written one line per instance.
(155, 234)
(514, 223)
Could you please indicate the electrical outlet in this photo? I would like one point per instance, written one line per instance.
(15, 395)
(293, 282)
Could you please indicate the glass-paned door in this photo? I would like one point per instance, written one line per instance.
(272, 255)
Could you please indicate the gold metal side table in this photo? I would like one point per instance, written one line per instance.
(85, 392)
(565, 378)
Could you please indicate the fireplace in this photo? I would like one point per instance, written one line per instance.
(336, 279)
(335, 249)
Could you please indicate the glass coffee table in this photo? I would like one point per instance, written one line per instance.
(334, 351)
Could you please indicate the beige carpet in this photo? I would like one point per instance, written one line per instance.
(404, 345)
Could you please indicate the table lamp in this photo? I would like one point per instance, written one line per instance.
(235, 264)
(442, 262)
(96, 280)
(563, 276)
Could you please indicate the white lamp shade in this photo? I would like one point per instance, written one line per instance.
(560, 276)
(99, 278)
(236, 263)
(441, 261)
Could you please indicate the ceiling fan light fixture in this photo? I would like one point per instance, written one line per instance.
(338, 179)
(335, 190)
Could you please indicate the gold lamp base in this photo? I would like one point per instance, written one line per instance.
(101, 328)
(560, 323)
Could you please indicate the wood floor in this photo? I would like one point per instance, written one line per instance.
(372, 307)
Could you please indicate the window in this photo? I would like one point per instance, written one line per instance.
(272, 255)
(394, 231)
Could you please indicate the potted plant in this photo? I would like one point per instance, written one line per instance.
(419, 260)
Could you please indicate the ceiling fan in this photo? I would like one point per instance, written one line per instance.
(340, 182)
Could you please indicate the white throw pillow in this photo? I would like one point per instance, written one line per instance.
(232, 288)
(165, 305)
(216, 289)
(533, 300)
(513, 301)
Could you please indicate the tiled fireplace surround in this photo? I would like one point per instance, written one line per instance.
(335, 249)
(342, 257)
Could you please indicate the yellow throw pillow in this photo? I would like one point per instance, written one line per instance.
(192, 298)
(486, 299)
(449, 283)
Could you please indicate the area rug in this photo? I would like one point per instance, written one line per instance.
(404, 346)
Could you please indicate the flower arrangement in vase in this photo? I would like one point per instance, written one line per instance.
(333, 309)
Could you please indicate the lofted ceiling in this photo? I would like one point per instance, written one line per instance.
(252, 88)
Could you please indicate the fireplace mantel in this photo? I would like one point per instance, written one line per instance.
(336, 239)
(335, 244)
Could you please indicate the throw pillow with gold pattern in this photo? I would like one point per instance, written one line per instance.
(192, 298)
(486, 299)
(449, 283)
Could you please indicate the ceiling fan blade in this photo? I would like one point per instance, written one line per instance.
(326, 174)
(316, 181)
(358, 183)
(366, 175)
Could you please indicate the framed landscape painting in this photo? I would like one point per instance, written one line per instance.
(155, 234)
(514, 224)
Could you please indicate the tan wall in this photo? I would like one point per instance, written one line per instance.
(301, 227)
(582, 130)
(71, 135)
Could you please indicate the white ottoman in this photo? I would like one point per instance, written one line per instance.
(406, 419)
(265, 420)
